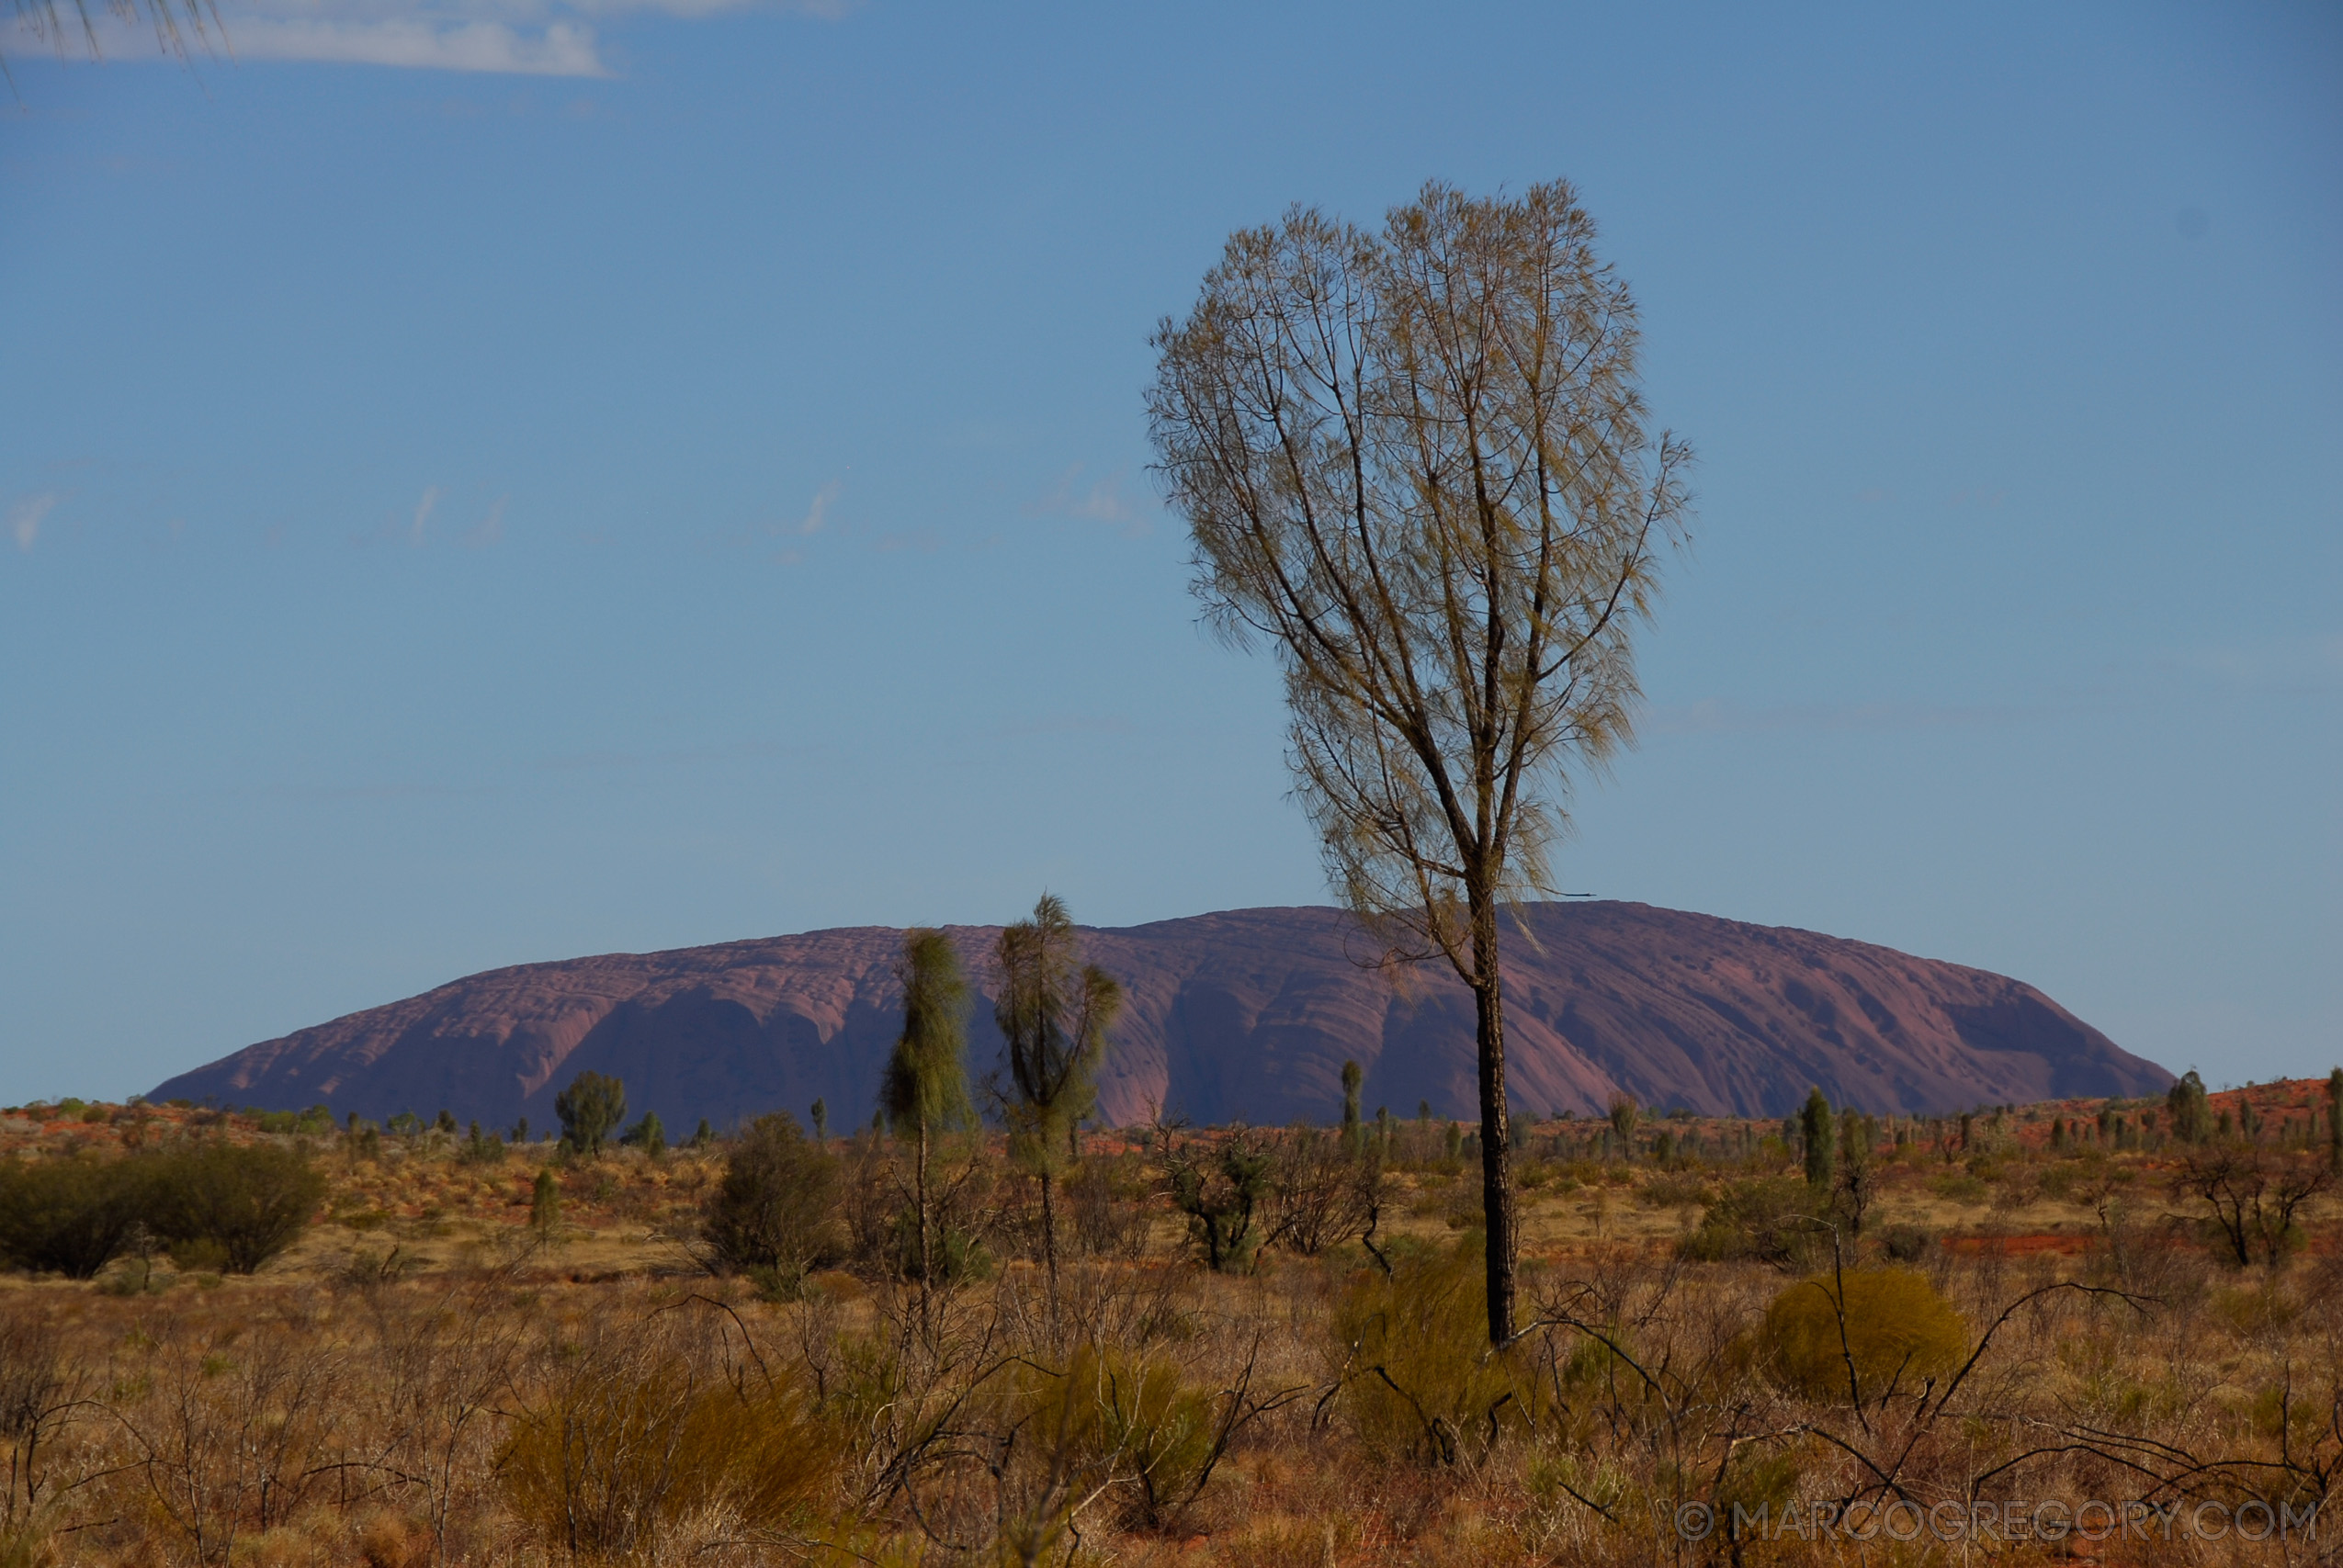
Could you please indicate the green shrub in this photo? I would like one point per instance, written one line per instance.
(590, 1110)
(69, 1216)
(1114, 1413)
(199, 1255)
(250, 1202)
(650, 1135)
(1419, 1377)
(1894, 1329)
(954, 1254)
(480, 1148)
(1907, 1244)
(1221, 1192)
(545, 1204)
(776, 1207)
(1768, 1219)
(316, 1122)
(1961, 1187)
(1673, 1189)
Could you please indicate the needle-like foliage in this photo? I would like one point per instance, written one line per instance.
(1054, 1011)
(926, 1084)
(926, 1087)
(1416, 467)
(175, 22)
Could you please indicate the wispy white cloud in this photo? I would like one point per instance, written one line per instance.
(423, 513)
(423, 43)
(819, 512)
(24, 517)
(1101, 501)
(519, 38)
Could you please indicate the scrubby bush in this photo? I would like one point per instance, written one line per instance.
(955, 1254)
(634, 1438)
(1220, 1191)
(1890, 1323)
(1907, 1244)
(316, 1121)
(1769, 1219)
(220, 1207)
(545, 1205)
(1322, 1189)
(480, 1148)
(775, 1206)
(1417, 1376)
(1112, 1414)
(69, 1216)
(590, 1110)
(1673, 1188)
(1111, 1202)
(1961, 1187)
(238, 1206)
(650, 1135)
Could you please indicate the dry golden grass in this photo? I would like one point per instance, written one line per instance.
(426, 1378)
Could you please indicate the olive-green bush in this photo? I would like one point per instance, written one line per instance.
(69, 1216)
(1890, 1323)
(775, 1211)
(247, 1201)
(1114, 1415)
(218, 1206)
(1770, 1219)
(1418, 1375)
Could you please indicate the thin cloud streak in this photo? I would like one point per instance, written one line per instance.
(511, 38)
(24, 518)
(1101, 503)
(558, 48)
(423, 514)
(818, 511)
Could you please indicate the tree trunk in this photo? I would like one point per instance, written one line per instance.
(1049, 1241)
(1495, 1143)
(927, 1270)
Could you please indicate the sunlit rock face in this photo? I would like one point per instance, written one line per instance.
(1246, 1015)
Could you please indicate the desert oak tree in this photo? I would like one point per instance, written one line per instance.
(926, 1086)
(1053, 1011)
(1416, 465)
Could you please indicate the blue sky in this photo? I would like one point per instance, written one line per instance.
(504, 479)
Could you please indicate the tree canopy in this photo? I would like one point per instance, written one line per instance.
(1416, 467)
